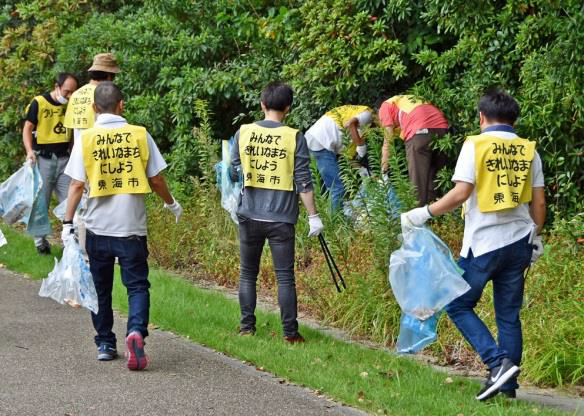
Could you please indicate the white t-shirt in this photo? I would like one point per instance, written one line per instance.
(325, 134)
(488, 231)
(115, 215)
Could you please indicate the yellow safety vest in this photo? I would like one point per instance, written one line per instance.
(341, 115)
(503, 171)
(405, 103)
(267, 156)
(80, 114)
(50, 128)
(115, 160)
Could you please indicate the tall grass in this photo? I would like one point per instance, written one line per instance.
(205, 246)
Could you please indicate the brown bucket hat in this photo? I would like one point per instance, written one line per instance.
(105, 62)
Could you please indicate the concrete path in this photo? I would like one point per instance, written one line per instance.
(48, 366)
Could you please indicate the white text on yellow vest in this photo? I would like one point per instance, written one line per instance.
(503, 171)
(80, 114)
(267, 156)
(50, 128)
(115, 160)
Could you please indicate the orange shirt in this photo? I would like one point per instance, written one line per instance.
(410, 116)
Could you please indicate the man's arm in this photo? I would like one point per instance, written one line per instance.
(158, 185)
(307, 199)
(537, 208)
(387, 139)
(452, 200)
(27, 140)
(353, 127)
(73, 198)
(235, 166)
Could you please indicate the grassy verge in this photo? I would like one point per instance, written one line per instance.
(366, 378)
(20, 255)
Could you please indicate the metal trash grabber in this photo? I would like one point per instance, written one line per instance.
(331, 263)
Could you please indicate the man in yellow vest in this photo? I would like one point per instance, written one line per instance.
(274, 162)
(45, 136)
(120, 164)
(499, 179)
(419, 123)
(81, 116)
(325, 142)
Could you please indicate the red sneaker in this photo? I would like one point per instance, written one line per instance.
(137, 359)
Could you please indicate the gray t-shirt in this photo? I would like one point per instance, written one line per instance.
(273, 205)
(115, 215)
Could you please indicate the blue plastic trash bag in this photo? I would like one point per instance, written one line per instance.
(70, 281)
(38, 224)
(230, 191)
(358, 208)
(423, 275)
(415, 334)
(17, 195)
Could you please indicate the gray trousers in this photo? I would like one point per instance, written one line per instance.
(54, 179)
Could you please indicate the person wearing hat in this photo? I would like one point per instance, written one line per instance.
(119, 164)
(47, 142)
(80, 115)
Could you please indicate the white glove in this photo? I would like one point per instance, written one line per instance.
(175, 208)
(316, 225)
(537, 248)
(67, 233)
(418, 216)
(362, 150)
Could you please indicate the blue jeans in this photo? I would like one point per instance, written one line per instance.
(281, 237)
(505, 267)
(132, 254)
(328, 167)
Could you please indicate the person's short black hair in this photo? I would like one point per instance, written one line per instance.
(101, 75)
(63, 76)
(107, 96)
(277, 96)
(499, 106)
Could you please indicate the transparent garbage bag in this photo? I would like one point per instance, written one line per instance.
(415, 334)
(423, 275)
(70, 281)
(22, 200)
(17, 195)
(59, 210)
(230, 191)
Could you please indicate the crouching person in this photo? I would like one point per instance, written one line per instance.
(120, 164)
(274, 162)
(499, 179)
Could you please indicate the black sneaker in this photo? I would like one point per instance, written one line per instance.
(510, 394)
(44, 248)
(497, 377)
(106, 352)
(247, 332)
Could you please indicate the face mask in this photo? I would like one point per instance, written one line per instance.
(60, 98)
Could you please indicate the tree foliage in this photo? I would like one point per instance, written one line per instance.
(176, 52)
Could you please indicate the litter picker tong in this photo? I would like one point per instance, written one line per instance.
(331, 264)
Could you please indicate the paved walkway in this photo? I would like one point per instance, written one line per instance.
(49, 367)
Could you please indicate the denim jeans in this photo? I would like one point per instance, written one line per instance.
(281, 237)
(505, 267)
(132, 254)
(328, 167)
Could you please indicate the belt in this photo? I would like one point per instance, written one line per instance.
(47, 154)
